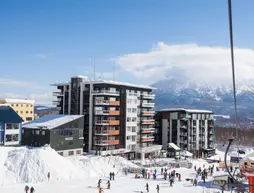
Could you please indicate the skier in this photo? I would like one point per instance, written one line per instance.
(100, 190)
(99, 183)
(110, 176)
(165, 176)
(148, 174)
(147, 187)
(158, 188)
(108, 183)
(126, 172)
(195, 168)
(113, 175)
(195, 182)
(231, 169)
(171, 181)
(155, 171)
(26, 189)
(161, 171)
(32, 190)
(48, 176)
(179, 177)
(203, 177)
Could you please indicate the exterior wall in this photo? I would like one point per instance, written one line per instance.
(65, 137)
(2, 135)
(24, 110)
(165, 139)
(71, 152)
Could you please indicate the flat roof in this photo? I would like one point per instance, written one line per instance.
(50, 121)
(186, 110)
(106, 82)
(174, 146)
(25, 101)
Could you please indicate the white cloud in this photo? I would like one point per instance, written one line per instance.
(42, 55)
(199, 63)
(41, 99)
(17, 83)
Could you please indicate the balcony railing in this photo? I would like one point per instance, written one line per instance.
(147, 138)
(147, 130)
(146, 104)
(56, 103)
(107, 142)
(107, 112)
(58, 94)
(184, 134)
(107, 122)
(151, 113)
(148, 96)
(107, 132)
(148, 121)
(105, 92)
(107, 102)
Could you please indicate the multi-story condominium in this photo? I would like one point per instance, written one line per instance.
(119, 117)
(24, 108)
(10, 126)
(191, 130)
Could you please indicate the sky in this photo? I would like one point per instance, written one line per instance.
(43, 42)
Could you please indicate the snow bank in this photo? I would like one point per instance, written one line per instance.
(32, 165)
(24, 165)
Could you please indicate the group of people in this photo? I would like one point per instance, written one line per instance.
(157, 188)
(203, 173)
(27, 189)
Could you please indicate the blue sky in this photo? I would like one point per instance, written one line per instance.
(48, 41)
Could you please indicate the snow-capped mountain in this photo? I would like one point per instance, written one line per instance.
(179, 92)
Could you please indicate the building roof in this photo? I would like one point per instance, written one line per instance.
(174, 146)
(50, 121)
(186, 110)
(20, 101)
(8, 115)
(86, 80)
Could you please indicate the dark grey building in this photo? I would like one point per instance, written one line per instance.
(64, 133)
(190, 129)
(119, 116)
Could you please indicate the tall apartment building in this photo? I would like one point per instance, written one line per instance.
(119, 117)
(191, 130)
(24, 108)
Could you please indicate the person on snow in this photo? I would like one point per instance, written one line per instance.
(26, 189)
(100, 190)
(99, 183)
(158, 188)
(161, 171)
(169, 175)
(126, 172)
(195, 168)
(48, 176)
(113, 175)
(108, 183)
(171, 181)
(165, 176)
(148, 175)
(110, 176)
(195, 182)
(165, 170)
(32, 190)
(231, 169)
(143, 173)
(179, 177)
(147, 187)
(155, 171)
(154, 176)
(203, 177)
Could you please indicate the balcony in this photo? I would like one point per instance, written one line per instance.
(147, 130)
(148, 113)
(107, 102)
(107, 132)
(107, 112)
(105, 92)
(186, 117)
(184, 134)
(148, 96)
(146, 104)
(113, 122)
(107, 142)
(148, 121)
(56, 103)
(107, 122)
(183, 126)
(58, 94)
(145, 139)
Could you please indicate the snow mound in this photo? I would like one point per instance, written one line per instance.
(32, 165)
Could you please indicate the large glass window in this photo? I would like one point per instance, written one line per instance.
(173, 115)
(194, 116)
(10, 138)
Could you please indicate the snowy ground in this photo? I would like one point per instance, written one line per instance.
(22, 166)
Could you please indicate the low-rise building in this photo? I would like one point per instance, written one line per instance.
(190, 129)
(10, 126)
(24, 108)
(64, 133)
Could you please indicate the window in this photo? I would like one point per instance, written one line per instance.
(134, 129)
(29, 118)
(8, 126)
(31, 105)
(37, 132)
(134, 119)
(70, 142)
(26, 112)
(128, 137)
(128, 119)
(129, 110)
(12, 105)
(134, 110)
(17, 105)
(17, 111)
(21, 105)
(10, 138)
(70, 152)
(21, 112)
(43, 133)
(60, 153)
(128, 128)
(174, 115)
(78, 152)
(31, 112)
(26, 105)
(80, 132)
(16, 126)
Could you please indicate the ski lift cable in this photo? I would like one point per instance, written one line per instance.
(237, 183)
